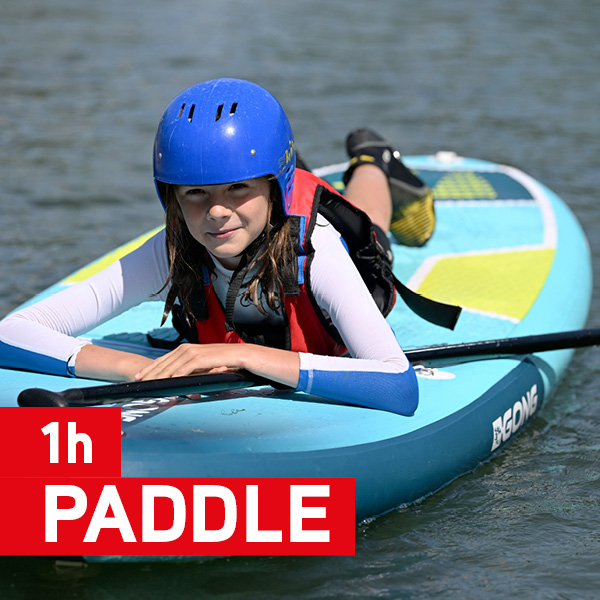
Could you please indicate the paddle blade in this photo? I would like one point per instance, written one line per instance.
(40, 397)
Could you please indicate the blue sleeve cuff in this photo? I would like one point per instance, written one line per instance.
(393, 392)
(12, 357)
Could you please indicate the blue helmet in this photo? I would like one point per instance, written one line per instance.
(222, 131)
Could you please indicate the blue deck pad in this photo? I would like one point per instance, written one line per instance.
(414, 332)
(515, 226)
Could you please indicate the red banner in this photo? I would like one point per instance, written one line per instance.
(62, 494)
(178, 516)
(57, 442)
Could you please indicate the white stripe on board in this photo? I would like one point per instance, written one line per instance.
(548, 216)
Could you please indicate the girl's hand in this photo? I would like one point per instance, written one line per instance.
(282, 366)
(190, 359)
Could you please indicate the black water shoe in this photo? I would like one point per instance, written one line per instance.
(413, 217)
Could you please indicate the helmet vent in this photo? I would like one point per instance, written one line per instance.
(181, 111)
(191, 115)
(220, 110)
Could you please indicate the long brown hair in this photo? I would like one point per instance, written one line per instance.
(265, 260)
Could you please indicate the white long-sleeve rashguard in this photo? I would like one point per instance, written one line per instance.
(44, 337)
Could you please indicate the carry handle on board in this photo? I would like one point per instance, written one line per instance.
(202, 384)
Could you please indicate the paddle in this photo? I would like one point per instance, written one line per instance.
(516, 345)
(107, 394)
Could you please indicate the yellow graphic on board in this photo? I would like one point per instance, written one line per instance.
(502, 283)
(463, 186)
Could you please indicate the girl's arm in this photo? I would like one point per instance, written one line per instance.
(43, 337)
(378, 375)
(108, 364)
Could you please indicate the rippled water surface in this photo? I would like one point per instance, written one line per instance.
(83, 86)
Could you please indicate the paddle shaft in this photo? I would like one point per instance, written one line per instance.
(517, 345)
(105, 394)
(174, 386)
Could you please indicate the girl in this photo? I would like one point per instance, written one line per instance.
(247, 256)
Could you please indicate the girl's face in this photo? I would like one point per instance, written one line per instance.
(225, 218)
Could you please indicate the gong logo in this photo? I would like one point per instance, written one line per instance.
(511, 421)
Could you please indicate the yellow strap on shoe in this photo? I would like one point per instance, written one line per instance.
(413, 220)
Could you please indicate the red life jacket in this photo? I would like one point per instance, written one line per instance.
(306, 329)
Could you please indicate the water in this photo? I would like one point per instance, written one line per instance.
(83, 86)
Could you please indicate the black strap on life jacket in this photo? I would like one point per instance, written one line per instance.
(233, 291)
(438, 313)
(356, 229)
